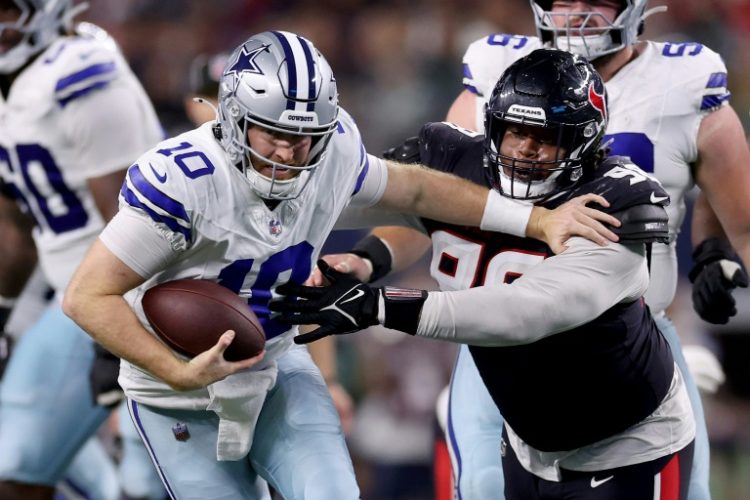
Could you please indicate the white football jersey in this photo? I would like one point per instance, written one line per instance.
(656, 103)
(221, 230)
(76, 112)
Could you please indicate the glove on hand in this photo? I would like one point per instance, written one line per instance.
(345, 306)
(6, 345)
(715, 274)
(105, 369)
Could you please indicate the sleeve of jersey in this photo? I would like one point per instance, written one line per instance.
(475, 67)
(562, 292)
(160, 198)
(107, 114)
(705, 80)
(132, 239)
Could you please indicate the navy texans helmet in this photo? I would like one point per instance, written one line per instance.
(578, 34)
(279, 81)
(556, 91)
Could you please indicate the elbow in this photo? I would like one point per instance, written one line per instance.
(71, 303)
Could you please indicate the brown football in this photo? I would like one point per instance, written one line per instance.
(191, 315)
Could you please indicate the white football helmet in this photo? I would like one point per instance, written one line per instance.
(40, 22)
(586, 40)
(279, 81)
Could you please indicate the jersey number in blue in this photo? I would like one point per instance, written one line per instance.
(294, 259)
(57, 206)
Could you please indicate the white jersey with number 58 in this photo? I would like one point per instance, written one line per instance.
(656, 103)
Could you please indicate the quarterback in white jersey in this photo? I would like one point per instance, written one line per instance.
(248, 201)
(66, 99)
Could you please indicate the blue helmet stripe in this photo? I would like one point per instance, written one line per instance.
(291, 68)
(96, 70)
(310, 73)
(156, 197)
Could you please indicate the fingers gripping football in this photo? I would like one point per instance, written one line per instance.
(344, 306)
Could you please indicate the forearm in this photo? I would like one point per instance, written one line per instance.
(110, 321)
(436, 195)
(560, 293)
(705, 224)
(406, 245)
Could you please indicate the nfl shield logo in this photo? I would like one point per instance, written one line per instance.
(274, 226)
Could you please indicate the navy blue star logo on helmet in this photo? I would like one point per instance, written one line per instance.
(246, 61)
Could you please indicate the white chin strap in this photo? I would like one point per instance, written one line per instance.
(589, 47)
(15, 58)
(527, 189)
(271, 188)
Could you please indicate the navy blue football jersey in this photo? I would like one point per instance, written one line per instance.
(607, 374)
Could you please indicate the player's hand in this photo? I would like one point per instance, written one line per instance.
(346, 305)
(572, 218)
(715, 274)
(346, 263)
(210, 366)
(105, 391)
(6, 346)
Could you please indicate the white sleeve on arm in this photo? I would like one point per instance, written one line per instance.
(137, 242)
(562, 292)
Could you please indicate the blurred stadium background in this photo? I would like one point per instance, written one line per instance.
(398, 65)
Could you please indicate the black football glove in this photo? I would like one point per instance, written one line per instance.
(715, 274)
(406, 152)
(6, 345)
(105, 390)
(6, 341)
(346, 305)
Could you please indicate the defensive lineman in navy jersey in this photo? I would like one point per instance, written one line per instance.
(546, 331)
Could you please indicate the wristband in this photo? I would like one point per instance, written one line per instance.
(401, 308)
(377, 252)
(506, 215)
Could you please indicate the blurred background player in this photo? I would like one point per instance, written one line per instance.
(66, 100)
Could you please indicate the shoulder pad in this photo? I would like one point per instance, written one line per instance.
(406, 152)
(443, 144)
(643, 223)
(622, 183)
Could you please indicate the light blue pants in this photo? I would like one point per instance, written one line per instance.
(475, 427)
(298, 447)
(48, 421)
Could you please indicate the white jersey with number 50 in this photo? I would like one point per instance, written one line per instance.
(656, 103)
(77, 112)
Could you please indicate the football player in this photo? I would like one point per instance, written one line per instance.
(670, 114)
(248, 201)
(547, 332)
(66, 98)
